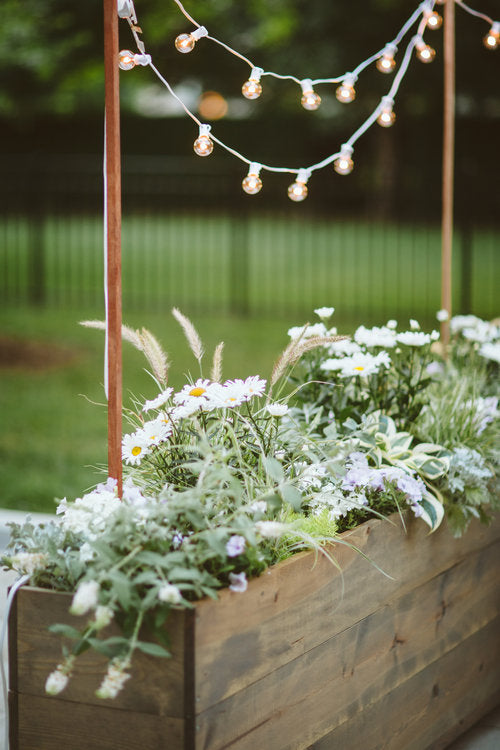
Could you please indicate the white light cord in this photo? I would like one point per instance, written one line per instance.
(426, 5)
(13, 591)
(371, 119)
(474, 12)
(423, 11)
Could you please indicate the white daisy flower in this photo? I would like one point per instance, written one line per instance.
(255, 385)
(413, 338)
(228, 395)
(442, 315)
(458, 322)
(196, 390)
(134, 448)
(331, 365)
(363, 365)
(160, 400)
(414, 325)
(324, 312)
(344, 346)
(491, 351)
(392, 324)
(375, 336)
(277, 410)
(155, 431)
(189, 408)
(318, 329)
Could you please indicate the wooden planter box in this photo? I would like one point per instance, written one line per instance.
(294, 662)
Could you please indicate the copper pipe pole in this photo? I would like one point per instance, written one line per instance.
(448, 167)
(113, 233)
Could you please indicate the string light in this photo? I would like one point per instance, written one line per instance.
(128, 60)
(492, 38)
(383, 113)
(252, 88)
(310, 99)
(345, 92)
(298, 190)
(387, 116)
(252, 184)
(185, 42)
(203, 145)
(387, 63)
(434, 20)
(425, 53)
(344, 164)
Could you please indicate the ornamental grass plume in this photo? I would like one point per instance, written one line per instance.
(191, 334)
(216, 372)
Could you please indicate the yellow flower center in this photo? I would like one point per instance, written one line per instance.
(198, 391)
(136, 450)
(359, 367)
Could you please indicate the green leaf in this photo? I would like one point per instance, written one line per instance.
(273, 468)
(292, 496)
(65, 630)
(153, 649)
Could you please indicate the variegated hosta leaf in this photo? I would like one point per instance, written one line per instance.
(432, 511)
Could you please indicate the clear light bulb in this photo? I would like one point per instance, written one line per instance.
(387, 116)
(126, 59)
(203, 145)
(310, 99)
(252, 184)
(387, 63)
(344, 164)
(298, 190)
(434, 20)
(345, 92)
(252, 88)
(492, 38)
(425, 53)
(185, 42)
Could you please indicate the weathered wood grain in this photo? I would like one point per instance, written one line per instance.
(157, 685)
(296, 607)
(431, 709)
(291, 664)
(53, 724)
(333, 682)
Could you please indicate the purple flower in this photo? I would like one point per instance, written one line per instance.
(236, 545)
(411, 487)
(238, 581)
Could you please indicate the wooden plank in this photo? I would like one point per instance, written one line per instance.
(53, 724)
(293, 608)
(332, 682)
(433, 708)
(157, 685)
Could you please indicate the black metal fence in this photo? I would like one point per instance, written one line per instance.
(192, 239)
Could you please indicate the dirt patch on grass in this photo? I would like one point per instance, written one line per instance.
(22, 354)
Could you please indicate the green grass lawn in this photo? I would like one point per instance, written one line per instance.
(53, 433)
(53, 428)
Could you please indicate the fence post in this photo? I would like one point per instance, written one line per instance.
(239, 264)
(36, 257)
(466, 268)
